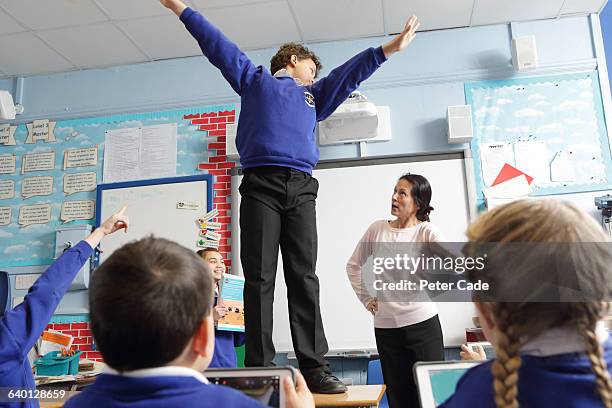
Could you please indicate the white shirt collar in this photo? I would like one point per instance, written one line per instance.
(561, 341)
(281, 73)
(165, 371)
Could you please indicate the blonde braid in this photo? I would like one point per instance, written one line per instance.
(508, 360)
(587, 323)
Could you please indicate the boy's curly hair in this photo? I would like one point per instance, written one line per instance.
(284, 53)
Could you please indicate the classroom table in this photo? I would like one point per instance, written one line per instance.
(356, 396)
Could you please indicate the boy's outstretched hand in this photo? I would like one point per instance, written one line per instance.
(177, 6)
(401, 41)
(114, 223)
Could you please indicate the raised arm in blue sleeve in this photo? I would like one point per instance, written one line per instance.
(235, 66)
(331, 91)
(22, 326)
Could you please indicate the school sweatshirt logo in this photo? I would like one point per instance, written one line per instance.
(309, 99)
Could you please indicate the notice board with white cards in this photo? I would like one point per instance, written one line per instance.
(551, 128)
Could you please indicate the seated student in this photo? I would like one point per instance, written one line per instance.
(225, 341)
(150, 305)
(21, 326)
(551, 350)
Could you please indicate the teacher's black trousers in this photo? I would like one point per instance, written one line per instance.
(277, 209)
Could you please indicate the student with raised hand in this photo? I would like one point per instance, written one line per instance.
(407, 331)
(21, 326)
(151, 317)
(278, 151)
(551, 350)
(225, 341)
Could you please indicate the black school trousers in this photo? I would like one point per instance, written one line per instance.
(277, 210)
(399, 349)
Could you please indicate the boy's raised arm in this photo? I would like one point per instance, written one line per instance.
(332, 90)
(234, 65)
(24, 324)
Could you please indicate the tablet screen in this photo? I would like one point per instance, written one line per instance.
(444, 382)
(264, 389)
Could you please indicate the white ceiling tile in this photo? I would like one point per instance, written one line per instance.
(502, 11)
(40, 15)
(205, 4)
(432, 14)
(582, 6)
(162, 37)
(338, 19)
(8, 24)
(93, 45)
(24, 54)
(123, 10)
(256, 26)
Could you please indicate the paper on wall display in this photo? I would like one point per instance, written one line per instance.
(79, 182)
(36, 186)
(532, 158)
(40, 130)
(158, 151)
(140, 153)
(7, 135)
(231, 288)
(7, 163)
(77, 210)
(83, 157)
(509, 185)
(5, 215)
(34, 214)
(562, 168)
(24, 281)
(493, 156)
(122, 155)
(38, 161)
(7, 189)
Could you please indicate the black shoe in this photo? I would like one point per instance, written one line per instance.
(325, 383)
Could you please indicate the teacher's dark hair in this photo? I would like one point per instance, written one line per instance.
(421, 194)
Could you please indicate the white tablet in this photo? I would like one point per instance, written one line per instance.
(265, 384)
(436, 381)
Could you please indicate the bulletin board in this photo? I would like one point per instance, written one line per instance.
(43, 187)
(561, 115)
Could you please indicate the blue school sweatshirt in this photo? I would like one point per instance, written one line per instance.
(21, 327)
(115, 391)
(278, 116)
(564, 380)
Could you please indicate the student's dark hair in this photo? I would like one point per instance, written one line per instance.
(421, 194)
(202, 252)
(516, 322)
(284, 53)
(146, 301)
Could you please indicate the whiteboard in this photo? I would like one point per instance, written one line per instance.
(152, 208)
(352, 195)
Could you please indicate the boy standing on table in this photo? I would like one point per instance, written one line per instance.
(278, 152)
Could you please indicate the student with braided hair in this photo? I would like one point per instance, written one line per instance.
(543, 314)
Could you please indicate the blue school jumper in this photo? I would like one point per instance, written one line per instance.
(278, 116)
(563, 380)
(21, 327)
(158, 391)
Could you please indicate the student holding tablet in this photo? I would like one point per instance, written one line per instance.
(406, 332)
(543, 312)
